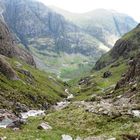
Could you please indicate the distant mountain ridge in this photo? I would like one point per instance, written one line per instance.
(106, 25)
(57, 44)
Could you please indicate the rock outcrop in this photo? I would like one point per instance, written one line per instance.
(9, 48)
(132, 76)
(127, 46)
(7, 70)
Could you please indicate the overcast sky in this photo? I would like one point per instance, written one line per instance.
(130, 7)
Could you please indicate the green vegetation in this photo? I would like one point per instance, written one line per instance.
(75, 122)
(34, 89)
(96, 83)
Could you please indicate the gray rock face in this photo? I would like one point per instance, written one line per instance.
(123, 48)
(9, 48)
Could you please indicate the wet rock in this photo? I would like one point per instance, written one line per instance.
(44, 126)
(17, 123)
(6, 118)
(21, 107)
(66, 137)
(107, 74)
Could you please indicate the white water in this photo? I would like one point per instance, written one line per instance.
(32, 113)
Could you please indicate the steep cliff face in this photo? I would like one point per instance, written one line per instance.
(127, 46)
(9, 48)
(106, 25)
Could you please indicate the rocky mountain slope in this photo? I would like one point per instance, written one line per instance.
(22, 86)
(49, 36)
(9, 48)
(53, 39)
(105, 25)
(126, 47)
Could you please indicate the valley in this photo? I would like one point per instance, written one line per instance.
(66, 76)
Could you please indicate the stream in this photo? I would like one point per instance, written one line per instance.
(6, 119)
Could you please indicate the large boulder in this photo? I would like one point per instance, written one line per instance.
(7, 70)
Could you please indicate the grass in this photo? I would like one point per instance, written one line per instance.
(96, 82)
(75, 122)
(33, 92)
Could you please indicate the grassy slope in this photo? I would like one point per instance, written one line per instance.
(42, 87)
(97, 82)
(75, 122)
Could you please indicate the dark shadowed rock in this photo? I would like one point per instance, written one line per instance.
(107, 74)
(130, 137)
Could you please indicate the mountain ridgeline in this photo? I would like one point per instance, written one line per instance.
(53, 39)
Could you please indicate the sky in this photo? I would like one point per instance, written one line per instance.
(129, 7)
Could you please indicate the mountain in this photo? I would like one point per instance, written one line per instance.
(105, 25)
(49, 36)
(9, 48)
(57, 44)
(124, 48)
(22, 85)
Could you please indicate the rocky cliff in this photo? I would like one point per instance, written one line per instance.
(126, 47)
(9, 48)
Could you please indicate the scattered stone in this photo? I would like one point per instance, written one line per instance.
(61, 105)
(21, 107)
(16, 129)
(107, 74)
(66, 137)
(17, 123)
(6, 118)
(44, 126)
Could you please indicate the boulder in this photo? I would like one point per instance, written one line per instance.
(66, 137)
(17, 123)
(107, 74)
(6, 69)
(44, 126)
